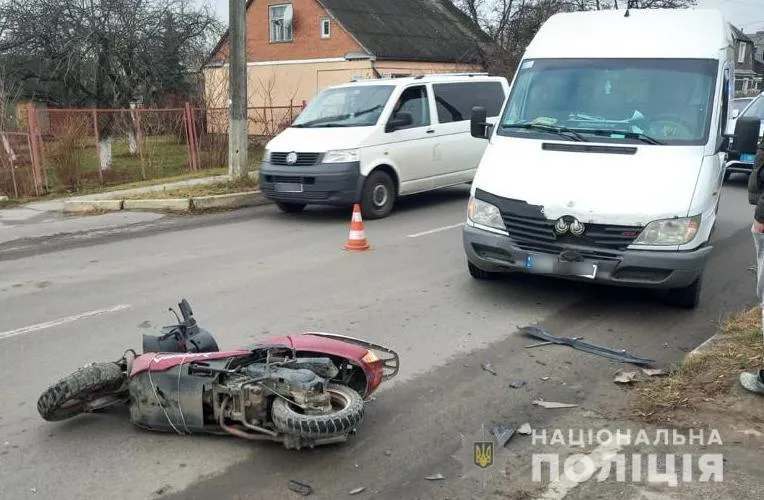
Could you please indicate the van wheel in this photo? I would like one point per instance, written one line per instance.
(687, 297)
(378, 196)
(290, 207)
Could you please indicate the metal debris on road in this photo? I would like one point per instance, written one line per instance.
(300, 488)
(525, 429)
(356, 491)
(435, 477)
(547, 343)
(488, 367)
(618, 355)
(653, 372)
(545, 378)
(516, 383)
(503, 434)
(622, 377)
(552, 404)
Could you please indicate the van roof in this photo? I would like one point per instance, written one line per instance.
(645, 33)
(434, 77)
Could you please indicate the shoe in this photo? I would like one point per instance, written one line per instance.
(753, 382)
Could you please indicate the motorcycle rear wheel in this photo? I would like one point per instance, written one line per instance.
(288, 420)
(82, 391)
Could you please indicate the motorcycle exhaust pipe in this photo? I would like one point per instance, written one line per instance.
(265, 434)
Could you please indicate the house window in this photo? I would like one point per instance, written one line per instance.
(325, 27)
(741, 53)
(281, 23)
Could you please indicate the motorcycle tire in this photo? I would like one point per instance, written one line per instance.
(342, 421)
(71, 395)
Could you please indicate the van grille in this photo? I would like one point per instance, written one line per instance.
(598, 242)
(303, 159)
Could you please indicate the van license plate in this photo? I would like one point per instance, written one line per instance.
(288, 187)
(746, 158)
(548, 264)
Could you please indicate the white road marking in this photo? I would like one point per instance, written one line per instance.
(603, 453)
(61, 321)
(436, 230)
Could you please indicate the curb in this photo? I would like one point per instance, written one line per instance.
(705, 346)
(89, 206)
(233, 200)
(162, 205)
(175, 205)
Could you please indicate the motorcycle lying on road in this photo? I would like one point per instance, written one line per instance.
(300, 390)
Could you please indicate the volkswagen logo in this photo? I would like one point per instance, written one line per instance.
(291, 158)
(565, 224)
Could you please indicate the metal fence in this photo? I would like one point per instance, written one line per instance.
(73, 150)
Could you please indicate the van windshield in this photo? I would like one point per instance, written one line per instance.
(658, 101)
(345, 107)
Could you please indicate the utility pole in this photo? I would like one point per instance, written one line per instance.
(237, 71)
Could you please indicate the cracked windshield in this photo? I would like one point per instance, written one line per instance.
(346, 107)
(649, 100)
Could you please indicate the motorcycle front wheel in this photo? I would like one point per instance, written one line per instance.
(90, 388)
(347, 412)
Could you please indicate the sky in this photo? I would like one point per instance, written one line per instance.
(748, 15)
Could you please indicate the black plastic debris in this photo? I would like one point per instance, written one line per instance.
(516, 383)
(489, 368)
(502, 434)
(618, 355)
(300, 488)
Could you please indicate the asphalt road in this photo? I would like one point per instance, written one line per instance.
(257, 272)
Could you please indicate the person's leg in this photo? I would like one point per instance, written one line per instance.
(754, 382)
(758, 243)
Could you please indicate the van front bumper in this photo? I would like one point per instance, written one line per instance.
(321, 184)
(492, 252)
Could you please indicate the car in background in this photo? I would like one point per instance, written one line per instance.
(737, 163)
(373, 141)
(737, 106)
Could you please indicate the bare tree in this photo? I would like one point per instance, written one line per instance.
(105, 53)
(512, 24)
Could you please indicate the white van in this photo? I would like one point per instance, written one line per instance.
(607, 161)
(371, 141)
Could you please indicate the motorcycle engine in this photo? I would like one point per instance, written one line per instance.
(301, 385)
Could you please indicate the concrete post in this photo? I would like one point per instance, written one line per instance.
(237, 112)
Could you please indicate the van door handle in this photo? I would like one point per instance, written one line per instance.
(431, 131)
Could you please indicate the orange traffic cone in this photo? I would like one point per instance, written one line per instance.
(357, 238)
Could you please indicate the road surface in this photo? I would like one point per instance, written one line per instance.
(70, 300)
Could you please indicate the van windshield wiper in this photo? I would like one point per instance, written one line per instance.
(625, 133)
(563, 131)
(332, 120)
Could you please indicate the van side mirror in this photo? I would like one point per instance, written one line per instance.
(478, 124)
(399, 121)
(745, 140)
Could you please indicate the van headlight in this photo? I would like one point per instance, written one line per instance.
(342, 156)
(267, 155)
(485, 214)
(669, 232)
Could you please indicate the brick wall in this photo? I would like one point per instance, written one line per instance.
(306, 34)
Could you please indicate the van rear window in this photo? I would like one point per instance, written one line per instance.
(456, 100)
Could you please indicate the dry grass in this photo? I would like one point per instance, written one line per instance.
(240, 186)
(707, 380)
